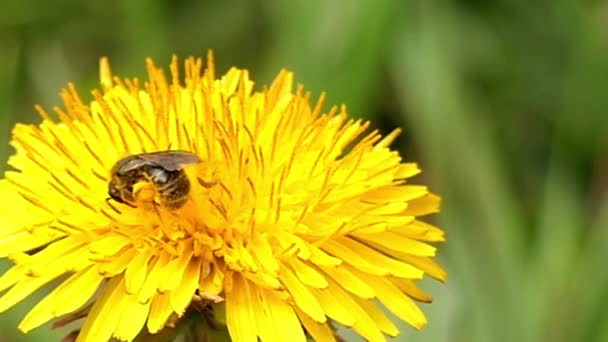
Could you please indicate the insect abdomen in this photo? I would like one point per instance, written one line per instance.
(175, 193)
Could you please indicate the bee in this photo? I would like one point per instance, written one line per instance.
(162, 170)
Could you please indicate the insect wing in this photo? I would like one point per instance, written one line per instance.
(168, 160)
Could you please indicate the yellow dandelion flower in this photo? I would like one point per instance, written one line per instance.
(256, 204)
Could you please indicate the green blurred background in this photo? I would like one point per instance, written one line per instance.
(503, 103)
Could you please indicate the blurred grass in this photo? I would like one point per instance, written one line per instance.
(503, 104)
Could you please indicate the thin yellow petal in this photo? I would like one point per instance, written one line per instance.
(387, 209)
(383, 322)
(214, 282)
(136, 272)
(105, 72)
(21, 242)
(349, 281)
(320, 332)
(109, 245)
(403, 193)
(407, 170)
(334, 309)
(319, 257)
(302, 296)
(66, 298)
(395, 300)
(58, 249)
(373, 257)
(153, 278)
(263, 251)
(262, 315)
(388, 139)
(103, 317)
(409, 288)
(13, 275)
(281, 86)
(117, 263)
(182, 295)
(241, 323)
(364, 325)
(428, 204)
(307, 274)
(23, 289)
(426, 232)
(176, 268)
(397, 242)
(426, 264)
(282, 318)
(160, 311)
(132, 318)
(72, 260)
(353, 257)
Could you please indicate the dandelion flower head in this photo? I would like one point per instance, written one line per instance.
(295, 219)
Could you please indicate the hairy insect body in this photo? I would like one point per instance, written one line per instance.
(158, 173)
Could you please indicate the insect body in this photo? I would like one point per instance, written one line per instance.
(161, 171)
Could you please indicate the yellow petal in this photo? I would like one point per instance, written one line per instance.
(391, 193)
(373, 257)
(116, 264)
(176, 268)
(424, 231)
(154, 275)
(334, 309)
(281, 318)
(132, 318)
(395, 300)
(66, 298)
(307, 274)
(424, 205)
(263, 251)
(13, 275)
(160, 311)
(396, 242)
(23, 289)
(281, 87)
(302, 296)
(22, 242)
(388, 139)
(320, 332)
(353, 257)
(409, 288)
(319, 257)
(426, 264)
(263, 279)
(182, 295)
(109, 245)
(262, 315)
(383, 322)
(349, 281)
(239, 312)
(105, 313)
(212, 284)
(73, 259)
(364, 325)
(407, 170)
(136, 272)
